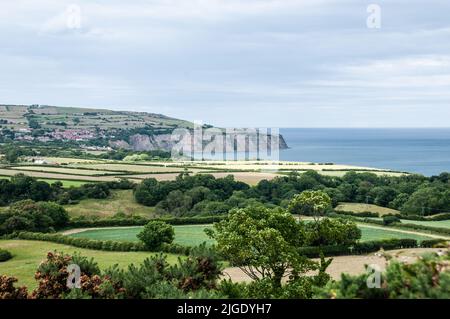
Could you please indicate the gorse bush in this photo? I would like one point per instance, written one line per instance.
(8, 291)
(193, 277)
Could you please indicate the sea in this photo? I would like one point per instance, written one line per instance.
(425, 151)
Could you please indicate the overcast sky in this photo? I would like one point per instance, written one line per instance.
(275, 63)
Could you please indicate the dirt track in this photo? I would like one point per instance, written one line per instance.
(353, 265)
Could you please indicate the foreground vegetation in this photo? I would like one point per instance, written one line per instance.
(253, 227)
(27, 255)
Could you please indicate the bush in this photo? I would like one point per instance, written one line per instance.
(431, 243)
(8, 291)
(82, 222)
(390, 219)
(5, 255)
(358, 248)
(155, 233)
(100, 244)
(444, 216)
(360, 214)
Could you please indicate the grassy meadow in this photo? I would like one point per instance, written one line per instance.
(191, 235)
(187, 235)
(28, 254)
(362, 208)
(120, 201)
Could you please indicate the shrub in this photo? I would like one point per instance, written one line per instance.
(8, 291)
(5, 255)
(358, 248)
(390, 219)
(360, 214)
(155, 233)
(431, 243)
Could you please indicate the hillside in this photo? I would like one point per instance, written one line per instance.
(139, 131)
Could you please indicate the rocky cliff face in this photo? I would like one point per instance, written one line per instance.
(140, 142)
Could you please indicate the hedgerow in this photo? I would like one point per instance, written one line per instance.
(358, 248)
(141, 221)
(360, 214)
(106, 245)
(430, 243)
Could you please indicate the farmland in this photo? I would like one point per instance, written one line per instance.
(362, 208)
(28, 254)
(194, 234)
(440, 224)
(187, 235)
(120, 201)
(84, 170)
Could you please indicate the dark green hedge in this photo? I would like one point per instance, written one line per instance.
(113, 222)
(359, 248)
(5, 255)
(437, 217)
(107, 245)
(361, 214)
(431, 229)
(445, 216)
(432, 242)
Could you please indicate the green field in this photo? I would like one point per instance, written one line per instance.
(28, 254)
(66, 183)
(439, 224)
(188, 235)
(362, 208)
(191, 235)
(368, 233)
(120, 201)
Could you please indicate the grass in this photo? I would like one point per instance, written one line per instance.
(131, 168)
(64, 170)
(368, 234)
(66, 183)
(191, 235)
(360, 208)
(120, 201)
(187, 235)
(28, 254)
(438, 224)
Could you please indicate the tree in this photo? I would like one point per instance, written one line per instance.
(329, 232)
(56, 212)
(12, 155)
(263, 243)
(155, 233)
(428, 201)
(311, 203)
